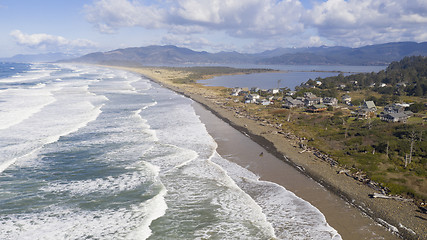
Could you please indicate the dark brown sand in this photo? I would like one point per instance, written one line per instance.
(238, 148)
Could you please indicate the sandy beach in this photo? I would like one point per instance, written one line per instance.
(344, 202)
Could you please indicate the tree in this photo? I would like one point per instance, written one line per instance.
(417, 107)
(418, 91)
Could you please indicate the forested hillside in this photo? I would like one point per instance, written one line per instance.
(407, 77)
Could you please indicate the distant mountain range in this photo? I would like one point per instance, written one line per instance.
(46, 57)
(381, 54)
(169, 55)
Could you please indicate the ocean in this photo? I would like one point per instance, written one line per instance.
(96, 153)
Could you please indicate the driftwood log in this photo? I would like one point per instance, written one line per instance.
(379, 195)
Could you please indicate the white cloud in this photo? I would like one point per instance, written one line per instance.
(49, 42)
(108, 15)
(250, 18)
(269, 22)
(188, 41)
(361, 22)
(314, 41)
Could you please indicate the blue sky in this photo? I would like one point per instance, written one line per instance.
(78, 26)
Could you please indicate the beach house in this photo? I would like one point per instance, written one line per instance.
(289, 102)
(394, 108)
(346, 99)
(235, 91)
(367, 109)
(252, 98)
(395, 117)
(330, 101)
(311, 99)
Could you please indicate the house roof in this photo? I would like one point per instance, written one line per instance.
(329, 99)
(370, 104)
(318, 106)
(397, 115)
(294, 101)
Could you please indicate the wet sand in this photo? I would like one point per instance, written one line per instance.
(239, 148)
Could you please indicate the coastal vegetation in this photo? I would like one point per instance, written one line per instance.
(198, 73)
(407, 77)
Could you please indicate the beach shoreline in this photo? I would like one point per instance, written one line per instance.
(349, 222)
(400, 217)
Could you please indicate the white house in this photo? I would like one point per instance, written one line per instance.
(255, 89)
(252, 98)
(330, 101)
(346, 99)
(265, 102)
(291, 93)
(273, 91)
(236, 91)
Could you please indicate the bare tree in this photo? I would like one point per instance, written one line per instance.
(289, 115)
(386, 150)
(369, 122)
(406, 160)
(408, 157)
(413, 137)
(346, 128)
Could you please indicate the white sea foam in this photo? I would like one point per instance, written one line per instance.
(153, 208)
(167, 156)
(19, 104)
(291, 217)
(201, 186)
(60, 222)
(144, 123)
(176, 123)
(51, 112)
(33, 139)
(30, 76)
(101, 186)
(73, 223)
(11, 158)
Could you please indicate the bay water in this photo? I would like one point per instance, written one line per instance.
(288, 76)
